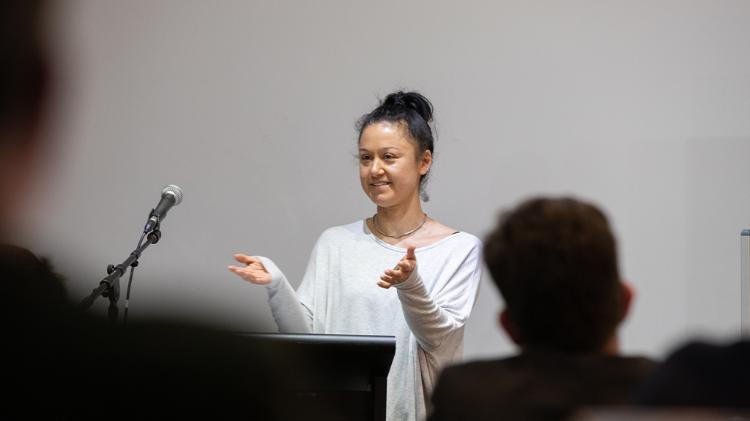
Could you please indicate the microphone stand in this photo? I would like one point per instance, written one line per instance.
(110, 286)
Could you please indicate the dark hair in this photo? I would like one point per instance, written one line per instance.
(555, 264)
(414, 110)
(23, 72)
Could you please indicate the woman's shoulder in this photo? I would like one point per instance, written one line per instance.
(465, 241)
(459, 237)
(348, 231)
(469, 239)
(444, 239)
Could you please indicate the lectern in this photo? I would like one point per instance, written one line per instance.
(745, 282)
(328, 377)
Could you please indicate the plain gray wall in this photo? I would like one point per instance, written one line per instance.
(640, 106)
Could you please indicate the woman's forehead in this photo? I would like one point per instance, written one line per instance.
(385, 134)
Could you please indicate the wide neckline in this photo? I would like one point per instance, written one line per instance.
(366, 230)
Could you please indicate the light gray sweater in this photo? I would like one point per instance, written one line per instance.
(426, 313)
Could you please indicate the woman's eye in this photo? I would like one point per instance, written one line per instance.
(389, 156)
(364, 158)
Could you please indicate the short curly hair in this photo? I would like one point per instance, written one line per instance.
(554, 261)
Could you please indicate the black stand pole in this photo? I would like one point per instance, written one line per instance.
(110, 286)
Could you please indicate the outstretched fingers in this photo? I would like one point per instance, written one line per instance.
(253, 272)
(243, 258)
(405, 266)
(401, 271)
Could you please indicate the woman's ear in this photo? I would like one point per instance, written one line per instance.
(628, 292)
(509, 326)
(425, 163)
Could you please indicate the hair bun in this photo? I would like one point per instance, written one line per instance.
(400, 100)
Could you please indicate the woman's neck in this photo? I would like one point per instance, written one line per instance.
(401, 218)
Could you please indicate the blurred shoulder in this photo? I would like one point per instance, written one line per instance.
(697, 355)
(701, 374)
(479, 369)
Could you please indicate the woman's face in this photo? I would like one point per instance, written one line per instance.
(389, 168)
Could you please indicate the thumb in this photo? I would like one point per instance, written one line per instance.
(242, 258)
(410, 253)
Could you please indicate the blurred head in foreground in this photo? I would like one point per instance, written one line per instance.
(62, 364)
(24, 88)
(555, 264)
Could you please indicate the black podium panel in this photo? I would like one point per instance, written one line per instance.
(328, 377)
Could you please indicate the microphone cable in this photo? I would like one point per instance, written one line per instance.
(130, 281)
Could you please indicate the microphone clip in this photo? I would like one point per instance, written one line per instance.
(152, 222)
(151, 229)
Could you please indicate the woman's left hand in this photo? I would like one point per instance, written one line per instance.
(401, 271)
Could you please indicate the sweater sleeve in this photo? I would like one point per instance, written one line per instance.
(432, 318)
(290, 314)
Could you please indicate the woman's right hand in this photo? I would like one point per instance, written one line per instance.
(253, 271)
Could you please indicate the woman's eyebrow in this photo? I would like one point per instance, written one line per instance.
(383, 149)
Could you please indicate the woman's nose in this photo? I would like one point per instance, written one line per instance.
(377, 168)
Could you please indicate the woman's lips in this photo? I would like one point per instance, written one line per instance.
(380, 185)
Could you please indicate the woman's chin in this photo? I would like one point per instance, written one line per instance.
(381, 200)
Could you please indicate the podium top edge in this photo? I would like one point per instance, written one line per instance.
(313, 338)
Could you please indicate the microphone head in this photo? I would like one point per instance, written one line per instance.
(174, 191)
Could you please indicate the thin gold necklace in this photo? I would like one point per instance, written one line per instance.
(377, 228)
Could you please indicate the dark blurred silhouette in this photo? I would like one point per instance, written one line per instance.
(701, 374)
(24, 91)
(62, 364)
(555, 263)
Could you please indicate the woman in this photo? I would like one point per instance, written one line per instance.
(427, 273)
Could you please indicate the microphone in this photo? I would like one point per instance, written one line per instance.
(171, 195)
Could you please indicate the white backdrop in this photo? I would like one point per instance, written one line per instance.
(641, 106)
